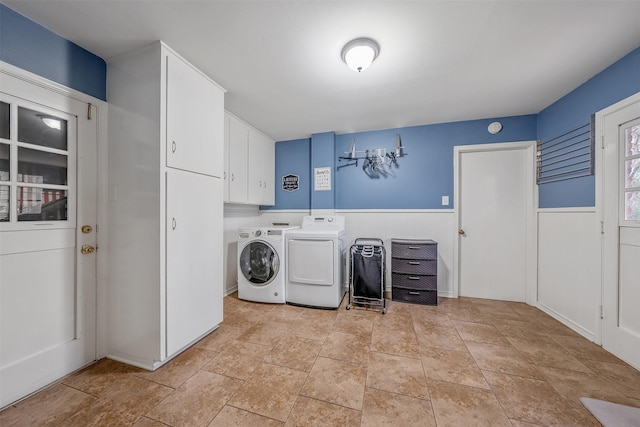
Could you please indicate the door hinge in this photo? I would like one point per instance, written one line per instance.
(88, 111)
(602, 141)
(601, 312)
(601, 227)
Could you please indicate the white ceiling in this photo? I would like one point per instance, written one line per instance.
(440, 61)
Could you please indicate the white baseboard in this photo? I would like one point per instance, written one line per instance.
(567, 322)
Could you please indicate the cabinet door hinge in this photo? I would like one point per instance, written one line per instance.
(88, 111)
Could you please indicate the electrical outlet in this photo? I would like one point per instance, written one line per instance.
(445, 200)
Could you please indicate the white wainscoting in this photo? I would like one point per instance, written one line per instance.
(417, 224)
(568, 268)
(568, 259)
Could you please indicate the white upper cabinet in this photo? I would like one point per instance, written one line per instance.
(261, 169)
(238, 151)
(195, 116)
(251, 164)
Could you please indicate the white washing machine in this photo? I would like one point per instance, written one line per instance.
(262, 263)
(316, 262)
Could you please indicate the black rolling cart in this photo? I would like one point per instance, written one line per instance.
(367, 273)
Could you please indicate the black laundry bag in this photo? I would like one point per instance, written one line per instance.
(367, 276)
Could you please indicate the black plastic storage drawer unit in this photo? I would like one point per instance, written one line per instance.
(414, 271)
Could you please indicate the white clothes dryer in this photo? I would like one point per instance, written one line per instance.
(262, 263)
(316, 259)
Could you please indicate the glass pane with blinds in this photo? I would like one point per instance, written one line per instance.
(5, 120)
(5, 203)
(41, 129)
(4, 162)
(39, 167)
(41, 204)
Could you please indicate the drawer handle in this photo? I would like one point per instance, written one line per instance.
(413, 293)
(413, 263)
(413, 278)
(414, 247)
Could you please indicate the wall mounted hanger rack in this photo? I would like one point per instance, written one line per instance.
(374, 159)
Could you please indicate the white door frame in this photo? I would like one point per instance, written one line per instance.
(102, 190)
(600, 207)
(532, 203)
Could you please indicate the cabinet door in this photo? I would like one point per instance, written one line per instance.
(227, 176)
(193, 257)
(269, 174)
(195, 120)
(261, 169)
(256, 162)
(238, 146)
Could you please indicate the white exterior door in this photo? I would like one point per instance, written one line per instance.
(621, 226)
(48, 164)
(494, 202)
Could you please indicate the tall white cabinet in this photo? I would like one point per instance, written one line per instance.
(166, 165)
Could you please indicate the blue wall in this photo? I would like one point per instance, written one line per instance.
(425, 173)
(618, 81)
(419, 178)
(323, 146)
(30, 46)
(293, 158)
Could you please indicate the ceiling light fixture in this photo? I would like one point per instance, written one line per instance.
(358, 54)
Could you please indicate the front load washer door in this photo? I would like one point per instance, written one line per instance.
(259, 263)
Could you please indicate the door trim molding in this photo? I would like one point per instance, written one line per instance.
(101, 116)
(532, 204)
(600, 226)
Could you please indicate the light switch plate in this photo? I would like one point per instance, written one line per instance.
(445, 200)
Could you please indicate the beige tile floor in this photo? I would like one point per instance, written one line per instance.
(465, 362)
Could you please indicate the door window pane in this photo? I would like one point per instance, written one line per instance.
(5, 120)
(632, 175)
(4, 203)
(632, 205)
(39, 167)
(632, 145)
(4, 162)
(41, 204)
(42, 129)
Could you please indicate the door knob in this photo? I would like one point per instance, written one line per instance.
(461, 232)
(87, 249)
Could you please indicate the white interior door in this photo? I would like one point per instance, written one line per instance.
(621, 238)
(48, 188)
(494, 200)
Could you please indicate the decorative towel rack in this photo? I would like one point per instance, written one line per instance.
(374, 160)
